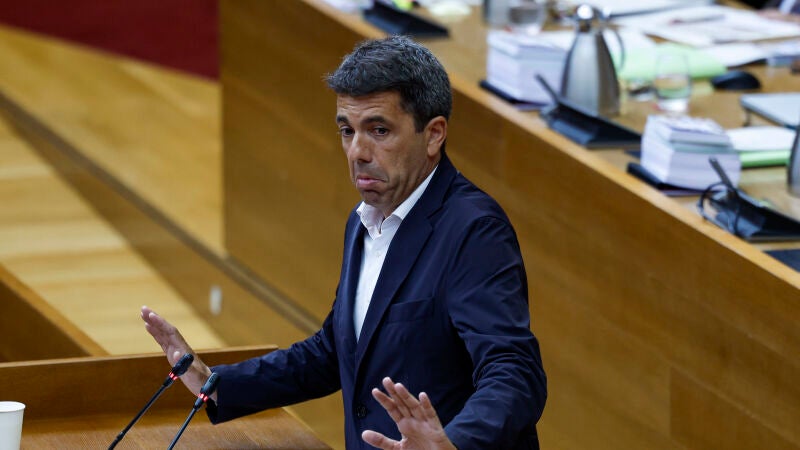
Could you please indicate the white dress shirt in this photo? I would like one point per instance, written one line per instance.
(379, 235)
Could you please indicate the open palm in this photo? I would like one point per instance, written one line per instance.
(416, 420)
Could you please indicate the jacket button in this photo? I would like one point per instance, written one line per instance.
(361, 411)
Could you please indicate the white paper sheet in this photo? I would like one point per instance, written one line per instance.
(629, 7)
(761, 139)
(704, 26)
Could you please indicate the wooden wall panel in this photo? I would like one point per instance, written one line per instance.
(595, 244)
(276, 183)
(283, 159)
(642, 309)
(704, 419)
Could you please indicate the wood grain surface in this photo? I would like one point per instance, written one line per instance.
(86, 402)
(646, 314)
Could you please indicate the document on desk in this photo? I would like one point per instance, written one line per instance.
(780, 53)
(631, 7)
(703, 26)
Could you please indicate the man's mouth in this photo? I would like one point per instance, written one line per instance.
(366, 182)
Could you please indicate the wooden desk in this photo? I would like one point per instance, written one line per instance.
(85, 402)
(32, 329)
(658, 330)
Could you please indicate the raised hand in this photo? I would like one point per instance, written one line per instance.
(174, 346)
(416, 420)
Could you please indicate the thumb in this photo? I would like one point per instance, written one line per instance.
(377, 440)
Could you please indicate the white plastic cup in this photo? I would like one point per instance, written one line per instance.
(11, 424)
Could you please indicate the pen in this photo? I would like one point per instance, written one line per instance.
(698, 19)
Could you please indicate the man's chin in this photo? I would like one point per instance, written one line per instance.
(372, 198)
(369, 195)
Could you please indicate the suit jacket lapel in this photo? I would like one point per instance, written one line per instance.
(403, 252)
(351, 266)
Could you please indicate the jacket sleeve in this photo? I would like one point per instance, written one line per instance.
(487, 300)
(306, 370)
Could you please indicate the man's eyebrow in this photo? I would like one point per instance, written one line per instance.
(370, 119)
(373, 119)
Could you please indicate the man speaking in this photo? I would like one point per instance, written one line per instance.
(432, 300)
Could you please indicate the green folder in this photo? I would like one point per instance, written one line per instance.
(640, 63)
(764, 158)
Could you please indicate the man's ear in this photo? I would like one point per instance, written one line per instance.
(436, 133)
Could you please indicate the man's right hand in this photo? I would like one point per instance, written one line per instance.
(174, 347)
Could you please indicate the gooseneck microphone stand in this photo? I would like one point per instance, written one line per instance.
(202, 398)
(178, 369)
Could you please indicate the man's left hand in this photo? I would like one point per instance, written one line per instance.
(416, 420)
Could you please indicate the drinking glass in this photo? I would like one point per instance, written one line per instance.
(527, 16)
(672, 83)
(495, 12)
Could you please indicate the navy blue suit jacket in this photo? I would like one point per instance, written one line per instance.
(449, 316)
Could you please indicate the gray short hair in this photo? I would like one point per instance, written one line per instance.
(396, 63)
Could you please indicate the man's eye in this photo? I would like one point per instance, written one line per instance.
(346, 131)
(380, 131)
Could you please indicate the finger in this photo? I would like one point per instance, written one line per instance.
(378, 440)
(398, 392)
(164, 329)
(388, 384)
(154, 319)
(388, 404)
(407, 402)
(428, 410)
(165, 334)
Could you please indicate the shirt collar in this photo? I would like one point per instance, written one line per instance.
(372, 218)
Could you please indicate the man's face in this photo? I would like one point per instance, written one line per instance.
(387, 158)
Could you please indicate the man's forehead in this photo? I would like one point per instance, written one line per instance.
(381, 102)
(383, 97)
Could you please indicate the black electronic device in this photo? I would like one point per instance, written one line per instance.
(583, 126)
(735, 80)
(742, 215)
(393, 20)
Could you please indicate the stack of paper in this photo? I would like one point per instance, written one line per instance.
(762, 146)
(515, 59)
(676, 150)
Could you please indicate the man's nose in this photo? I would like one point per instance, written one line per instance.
(359, 150)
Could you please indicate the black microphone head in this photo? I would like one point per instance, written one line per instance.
(207, 390)
(211, 384)
(183, 364)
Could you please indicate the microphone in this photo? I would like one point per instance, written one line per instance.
(178, 369)
(202, 397)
